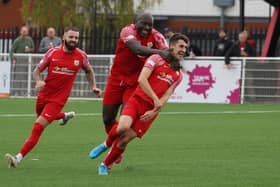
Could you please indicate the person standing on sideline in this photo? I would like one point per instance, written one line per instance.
(239, 49)
(168, 33)
(22, 44)
(50, 41)
(136, 42)
(157, 81)
(222, 44)
(250, 40)
(63, 63)
(242, 48)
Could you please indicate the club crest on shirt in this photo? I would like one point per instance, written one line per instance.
(76, 62)
(150, 44)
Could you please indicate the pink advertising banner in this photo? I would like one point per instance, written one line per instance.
(208, 81)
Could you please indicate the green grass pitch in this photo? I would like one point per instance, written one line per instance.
(208, 145)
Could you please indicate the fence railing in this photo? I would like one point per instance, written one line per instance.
(103, 40)
(260, 82)
(22, 83)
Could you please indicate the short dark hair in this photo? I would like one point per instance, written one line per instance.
(71, 28)
(178, 36)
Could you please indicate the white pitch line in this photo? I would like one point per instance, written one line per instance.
(164, 113)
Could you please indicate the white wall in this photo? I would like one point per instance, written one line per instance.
(253, 8)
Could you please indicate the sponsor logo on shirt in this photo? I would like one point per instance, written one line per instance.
(165, 77)
(63, 70)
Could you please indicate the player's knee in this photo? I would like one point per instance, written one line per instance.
(123, 129)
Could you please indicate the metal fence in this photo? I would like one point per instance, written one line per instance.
(260, 81)
(205, 39)
(23, 85)
(103, 40)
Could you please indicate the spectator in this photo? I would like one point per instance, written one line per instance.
(193, 51)
(22, 44)
(250, 40)
(239, 49)
(222, 44)
(49, 41)
(242, 49)
(167, 34)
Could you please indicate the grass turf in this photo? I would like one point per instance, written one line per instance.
(218, 149)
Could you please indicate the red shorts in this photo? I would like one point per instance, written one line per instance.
(48, 110)
(117, 92)
(136, 107)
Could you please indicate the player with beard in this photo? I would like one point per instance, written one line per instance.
(63, 64)
(137, 41)
(157, 81)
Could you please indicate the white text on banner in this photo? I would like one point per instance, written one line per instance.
(208, 81)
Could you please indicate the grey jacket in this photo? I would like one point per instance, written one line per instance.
(46, 41)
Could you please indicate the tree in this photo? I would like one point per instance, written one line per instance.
(82, 13)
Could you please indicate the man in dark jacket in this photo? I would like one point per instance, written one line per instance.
(239, 49)
(222, 44)
(193, 51)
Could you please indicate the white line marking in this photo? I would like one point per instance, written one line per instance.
(164, 113)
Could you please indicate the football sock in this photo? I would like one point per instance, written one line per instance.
(60, 115)
(32, 140)
(109, 127)
(113, 155)
(19, 157)
(111, 136)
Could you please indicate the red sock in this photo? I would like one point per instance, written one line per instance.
(109, 127)
(112, 136)
(113, 155)
(59, 116)
(33, 139)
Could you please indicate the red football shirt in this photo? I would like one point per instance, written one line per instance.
(161, 78)
(62, 70)
(127, 65)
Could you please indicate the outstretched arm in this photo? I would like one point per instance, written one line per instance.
(139, 49)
